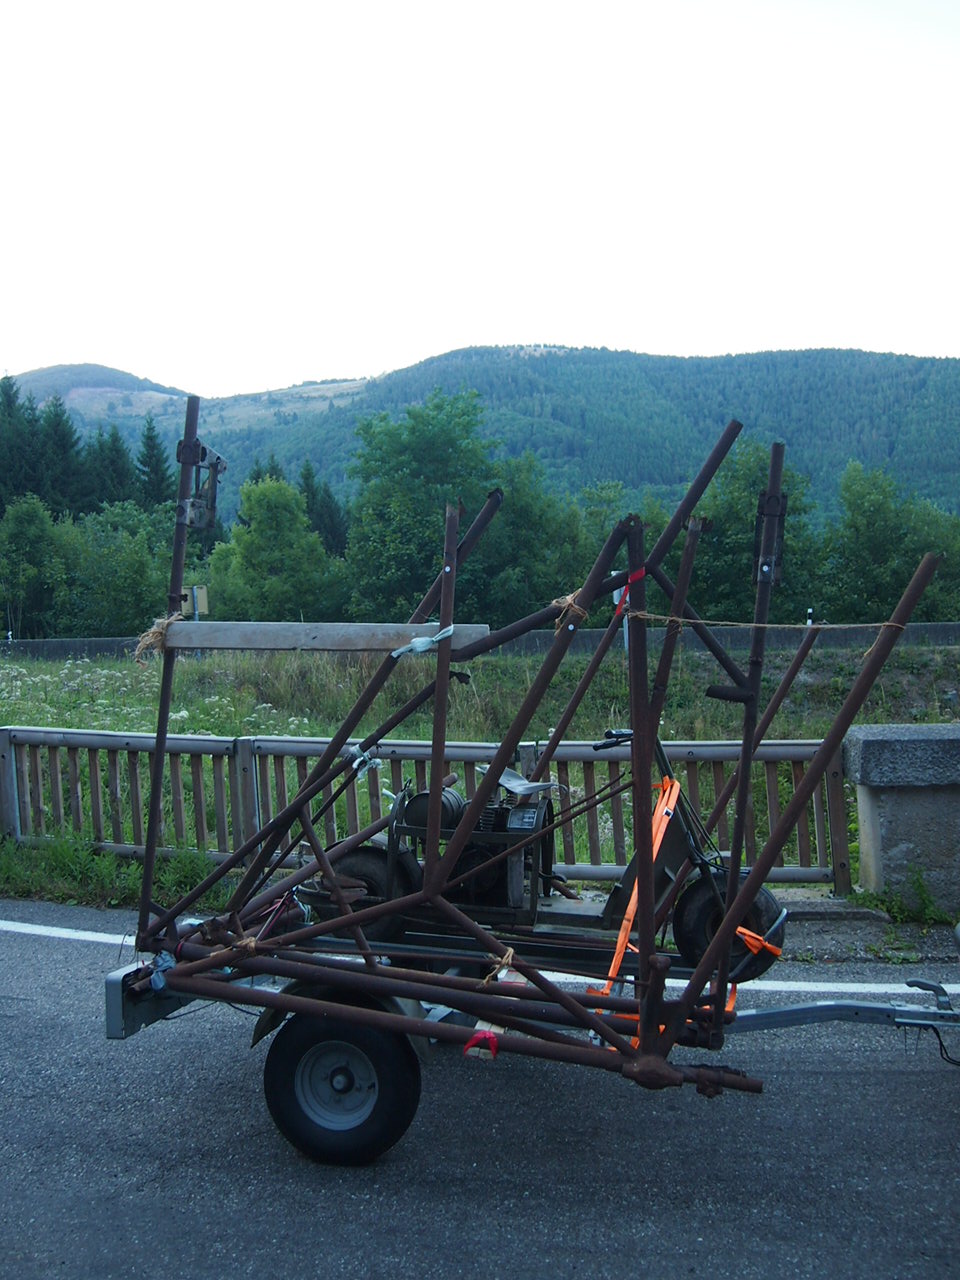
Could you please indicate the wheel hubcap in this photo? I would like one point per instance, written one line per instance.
(336, 1085)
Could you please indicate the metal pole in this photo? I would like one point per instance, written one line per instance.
(187, 462)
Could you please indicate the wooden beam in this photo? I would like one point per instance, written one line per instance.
(336, 636)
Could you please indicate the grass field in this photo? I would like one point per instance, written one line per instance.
(235, 695)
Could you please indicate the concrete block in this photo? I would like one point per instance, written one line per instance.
(908, 803)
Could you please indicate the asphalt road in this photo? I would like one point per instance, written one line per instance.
(156, 1156)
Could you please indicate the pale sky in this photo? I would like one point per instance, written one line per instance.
(230, 197)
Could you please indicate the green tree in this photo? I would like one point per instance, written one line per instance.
(116, 572)
(272, 471)
(157, 482)
(31, 567)
(274, 567)
(877, 543)
(109, 471)
(529, 554)
(60, 480)
(18, 443)
(325, 515)
(408, 470)
(723, 585)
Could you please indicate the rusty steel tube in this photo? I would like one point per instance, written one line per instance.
(439, 738)
(503, 757)
(772, 707)
(374, 686)
(188, 449)
(873, 663)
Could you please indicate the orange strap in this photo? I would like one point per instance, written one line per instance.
(662, 813)
(755, 942)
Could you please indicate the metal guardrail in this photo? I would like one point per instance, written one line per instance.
(219, 790)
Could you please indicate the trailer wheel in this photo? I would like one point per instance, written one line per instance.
(697, 916)
(340, 1092)
(369, 864)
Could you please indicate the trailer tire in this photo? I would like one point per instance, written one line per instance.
(698, 914)
(340, 1092)
(369, 864)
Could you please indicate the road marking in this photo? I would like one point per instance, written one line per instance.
(781, 987)
(861, 988)
(72, 935)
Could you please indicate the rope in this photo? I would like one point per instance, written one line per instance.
(155, 638)
(766, 626)
(568, 606)
(504, 962)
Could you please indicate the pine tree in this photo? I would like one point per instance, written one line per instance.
(325, 514)
(153, 468)
(61, 480)
(109, 469)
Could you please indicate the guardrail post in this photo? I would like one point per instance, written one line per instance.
(9, 809)
(249, 791)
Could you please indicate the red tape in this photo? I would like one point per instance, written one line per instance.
(483, 1040)
(634, 577)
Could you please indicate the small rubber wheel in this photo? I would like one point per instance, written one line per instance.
(370, 866)
(697, 916)
(340, 1092)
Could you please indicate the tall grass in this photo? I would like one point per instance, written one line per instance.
(241, 694)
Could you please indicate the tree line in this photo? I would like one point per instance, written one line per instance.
(86, 531)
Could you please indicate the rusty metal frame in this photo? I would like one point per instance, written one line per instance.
(263, 935)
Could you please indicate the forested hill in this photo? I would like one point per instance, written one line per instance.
(592, 415)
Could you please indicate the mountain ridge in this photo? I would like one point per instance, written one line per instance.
(588, 414)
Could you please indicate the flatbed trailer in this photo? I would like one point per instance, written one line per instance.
(447, 921)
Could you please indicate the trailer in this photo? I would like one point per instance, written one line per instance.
(447, 921)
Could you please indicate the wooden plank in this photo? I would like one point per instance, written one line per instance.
(96, 795)
(236, 801)
(566, 831)
(220, 805)
(23, 787)
(469, 778)
(266, 799)
(136, 799)
(329, 817)
(353, 807)
(376, 796)
(693, 785)
(76, 791)
(36, 792)
(616, 814)
(772, 786)
(333, 636)
(723, 833)
(199, 802)
(177, 800)
(280, 787)
(113, 790)
(593, 821)
(57, 811)
(750, 835)
(820, 826)
(803, 823)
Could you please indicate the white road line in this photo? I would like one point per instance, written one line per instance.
(777, 986)
(72, 935)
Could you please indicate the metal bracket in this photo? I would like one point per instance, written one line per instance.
(199, 511)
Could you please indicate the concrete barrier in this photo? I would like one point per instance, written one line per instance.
(908, 801)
